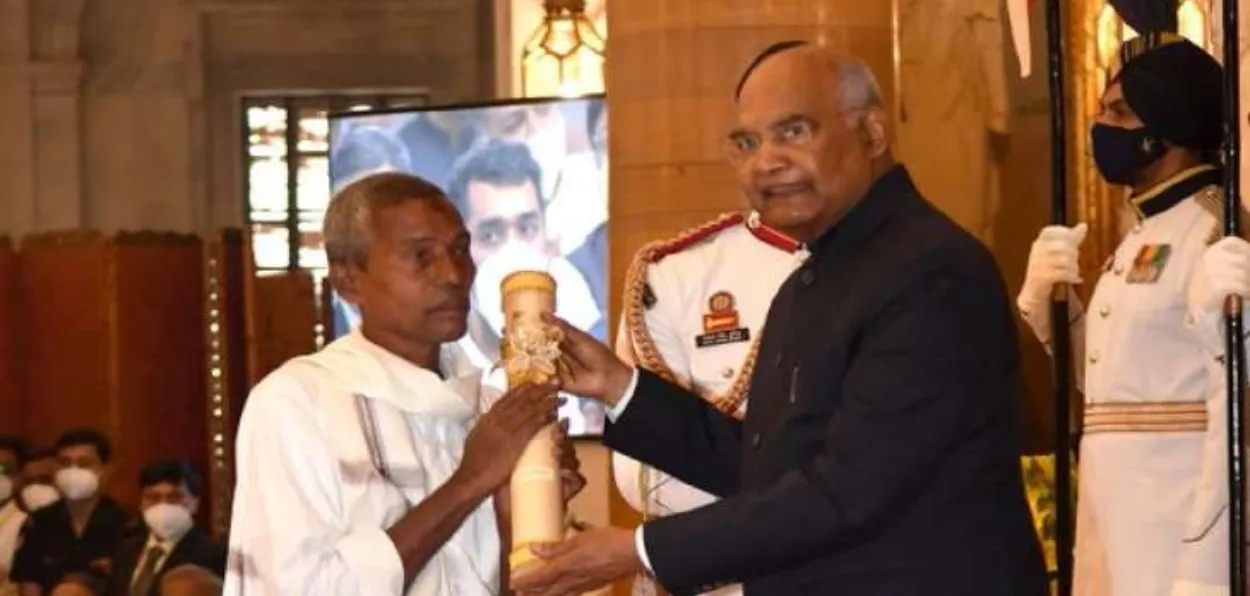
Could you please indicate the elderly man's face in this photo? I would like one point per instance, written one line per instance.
(415, 284)
(801, 160)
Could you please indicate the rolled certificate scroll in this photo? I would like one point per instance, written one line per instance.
(531, 353)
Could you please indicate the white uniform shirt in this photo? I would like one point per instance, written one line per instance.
(336, 447)
(11, 520)
(1150, 513)
(731, 260)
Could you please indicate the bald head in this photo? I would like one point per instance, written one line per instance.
(811, 136)
(848, 81)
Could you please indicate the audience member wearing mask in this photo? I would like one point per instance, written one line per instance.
(170, 493)
(79, 533)
(570, 182)
(38, 480)
(13, 452)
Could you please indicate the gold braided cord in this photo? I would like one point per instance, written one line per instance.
(645, 351)
(648, 356)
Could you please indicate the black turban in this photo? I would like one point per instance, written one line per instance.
(1176, 88)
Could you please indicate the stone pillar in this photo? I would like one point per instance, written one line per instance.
(672, 66)
(16, 159)
(40, 116)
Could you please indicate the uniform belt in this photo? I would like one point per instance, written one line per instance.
(1186, 416)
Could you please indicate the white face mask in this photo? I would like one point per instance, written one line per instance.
(514, 256)
(574, 301)
(38, 496)
(167, 521)
(77, 483)
(6, 487)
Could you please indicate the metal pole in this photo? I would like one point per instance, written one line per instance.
(1061, 339)
(1234, 339)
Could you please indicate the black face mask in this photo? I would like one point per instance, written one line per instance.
(1122, 153)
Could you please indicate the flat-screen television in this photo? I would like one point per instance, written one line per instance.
(530, 179)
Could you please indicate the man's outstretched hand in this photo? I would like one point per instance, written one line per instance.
(587, 561)
(593, 370)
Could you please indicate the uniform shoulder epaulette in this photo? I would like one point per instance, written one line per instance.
(1211, 199)
(655, 251)
(639, 296)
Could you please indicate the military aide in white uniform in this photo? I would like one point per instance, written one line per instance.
(359, 471)
(694, 310)
(1150, 520)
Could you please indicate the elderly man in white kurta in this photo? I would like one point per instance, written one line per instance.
(365, 469)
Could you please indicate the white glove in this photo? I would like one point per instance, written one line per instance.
(1054, 258)
(1224, 271)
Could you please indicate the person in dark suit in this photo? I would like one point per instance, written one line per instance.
(170, 496)
(880, 452)
(76, 534)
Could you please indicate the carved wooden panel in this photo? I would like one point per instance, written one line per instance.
(67, 322)
(156, 354)
(281, 323)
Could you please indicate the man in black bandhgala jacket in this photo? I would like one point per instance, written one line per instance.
(880, 452)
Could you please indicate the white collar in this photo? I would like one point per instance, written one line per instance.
(362, 367)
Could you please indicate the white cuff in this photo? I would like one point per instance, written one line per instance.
(614, 413)
(641, 547)
(373, 559)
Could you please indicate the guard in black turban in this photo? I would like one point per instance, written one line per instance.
(1148, 341)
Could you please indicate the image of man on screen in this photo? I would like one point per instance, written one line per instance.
(571, 184)
(496, 188)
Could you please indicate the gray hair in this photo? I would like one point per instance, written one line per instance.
(348, 227)
(857, 85)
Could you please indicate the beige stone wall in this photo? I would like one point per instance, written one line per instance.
(125, 114)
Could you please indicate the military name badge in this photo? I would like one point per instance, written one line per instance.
(720, 323)
(1149, 263)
